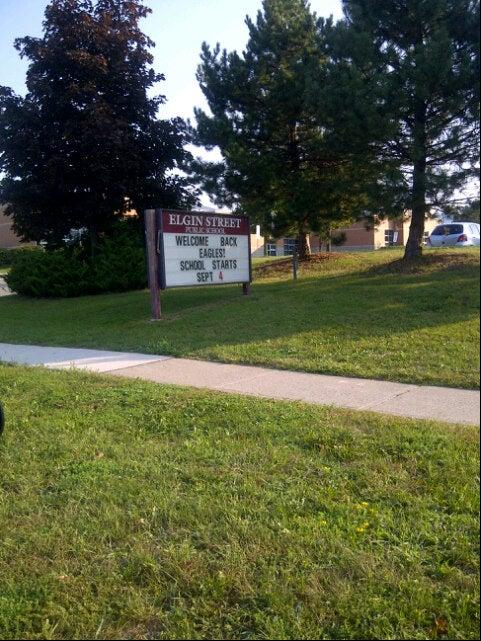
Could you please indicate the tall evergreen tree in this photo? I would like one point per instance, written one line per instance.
(423, 56)
(85, 144)
(467, 213)
(278, 162)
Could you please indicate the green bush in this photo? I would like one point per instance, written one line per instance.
(339, 239)
(8, 256)
(118, 266)
(5, 257)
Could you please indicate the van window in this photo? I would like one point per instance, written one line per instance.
(448, 230)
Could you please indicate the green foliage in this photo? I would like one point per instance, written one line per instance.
(339, 238)
(6, 258)
(282, 163)
(86, 144)
(470, 213)
(118, 265)
(420, 61)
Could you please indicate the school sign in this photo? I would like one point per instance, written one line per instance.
(189, 249)
(203, 249)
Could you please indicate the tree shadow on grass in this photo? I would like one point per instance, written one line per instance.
(283, 323)
(424, 300)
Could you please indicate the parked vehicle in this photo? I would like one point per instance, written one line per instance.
(455, 235)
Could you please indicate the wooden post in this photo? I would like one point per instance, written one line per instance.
(246, 287)
(294, 264)
(153, 261)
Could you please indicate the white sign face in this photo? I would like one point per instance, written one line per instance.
(203, 249)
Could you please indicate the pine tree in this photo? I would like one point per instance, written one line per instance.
(468, 213)
(85, 144)
(279, 163)
(423, 57)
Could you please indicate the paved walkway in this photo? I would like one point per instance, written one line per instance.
(444, 404)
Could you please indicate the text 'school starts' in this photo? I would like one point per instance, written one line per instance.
(199, 265)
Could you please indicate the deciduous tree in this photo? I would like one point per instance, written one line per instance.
(86, 143)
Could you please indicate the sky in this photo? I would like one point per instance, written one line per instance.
(178, 27)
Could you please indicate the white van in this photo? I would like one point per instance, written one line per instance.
(455, 235)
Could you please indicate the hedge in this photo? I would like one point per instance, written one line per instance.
(8, 256)
(118, 266)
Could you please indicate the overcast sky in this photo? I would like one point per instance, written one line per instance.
(178, 27)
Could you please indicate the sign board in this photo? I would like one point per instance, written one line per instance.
(198, 248)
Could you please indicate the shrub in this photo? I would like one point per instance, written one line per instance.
(8, 256)
(339, 239)
(118, 265)
(5, 257)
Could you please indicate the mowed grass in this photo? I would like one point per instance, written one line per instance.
(134, 511)
(345, 316)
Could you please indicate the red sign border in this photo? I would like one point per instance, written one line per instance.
(200, 226)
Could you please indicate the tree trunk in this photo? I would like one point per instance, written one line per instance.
(304, 250)
(329, 242)
(414, 246)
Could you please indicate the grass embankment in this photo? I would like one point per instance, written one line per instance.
(130, 510)
(354, 315)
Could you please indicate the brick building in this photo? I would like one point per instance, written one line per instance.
(8, 238)
(358, 237)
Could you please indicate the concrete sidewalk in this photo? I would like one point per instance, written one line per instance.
(414, 401)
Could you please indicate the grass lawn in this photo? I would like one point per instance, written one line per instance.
(135, 511)
(349, 316)
(267, 260)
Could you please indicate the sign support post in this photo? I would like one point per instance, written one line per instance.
(246, 287)
(189, 249)
(295, 264)
(152, 260)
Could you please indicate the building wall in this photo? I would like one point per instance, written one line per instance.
(258, 245)
(431, 224)
(358, 236)
(7, 237)
(386, 233)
